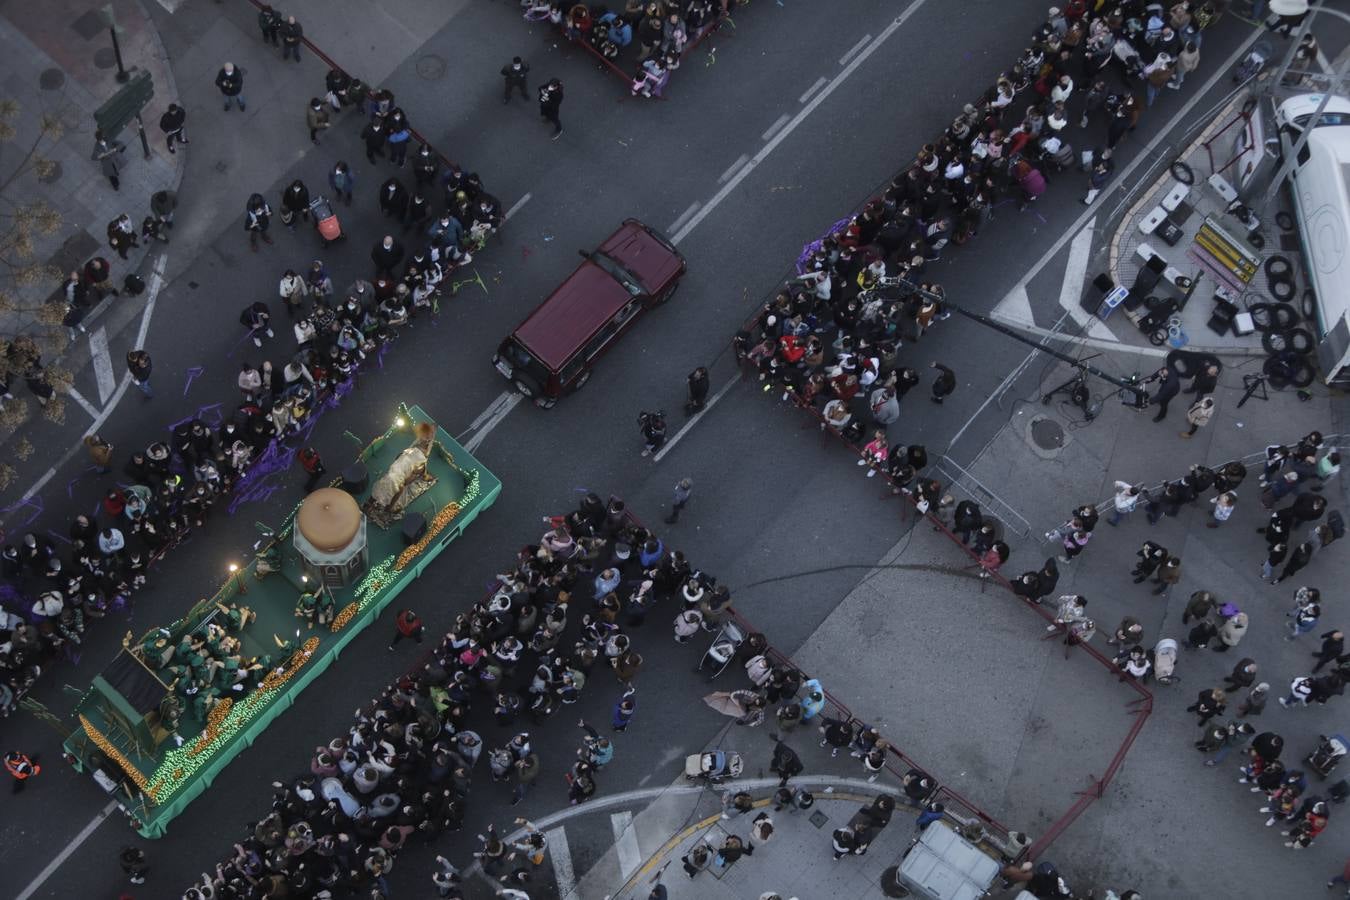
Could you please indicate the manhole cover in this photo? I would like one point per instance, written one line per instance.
(431, 67)
(819, 819)
(51, 173)
(51, 79)
(1047, 433)
(104, 58)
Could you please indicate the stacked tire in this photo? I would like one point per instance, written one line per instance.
(1286, 342)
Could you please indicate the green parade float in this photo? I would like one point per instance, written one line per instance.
(177, 704)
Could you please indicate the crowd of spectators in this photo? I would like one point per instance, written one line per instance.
(833, 337)
(563, 615)
(650, 36)
(54, 583)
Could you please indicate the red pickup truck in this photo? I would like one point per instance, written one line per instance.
(552, 352)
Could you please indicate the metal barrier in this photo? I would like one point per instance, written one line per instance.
(1140, 707)
(1011, 518)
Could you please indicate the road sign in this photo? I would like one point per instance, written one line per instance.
(125, 105)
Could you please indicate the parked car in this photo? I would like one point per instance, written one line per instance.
(553, 351)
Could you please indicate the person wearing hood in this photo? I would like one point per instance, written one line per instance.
(1231, 633)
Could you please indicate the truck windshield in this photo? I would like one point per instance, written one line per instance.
(616, 271)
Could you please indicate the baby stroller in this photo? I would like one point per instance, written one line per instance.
(1251, 65)
(325, 220)
(1327, 754)
(723, 649)
(1165, 661)
(714, 766)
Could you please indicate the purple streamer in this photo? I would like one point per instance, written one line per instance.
(192, 375)
(34, 501)
(815, 245)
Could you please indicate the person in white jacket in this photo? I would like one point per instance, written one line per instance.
(1126, 499)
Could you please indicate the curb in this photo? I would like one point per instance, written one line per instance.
(673, 843)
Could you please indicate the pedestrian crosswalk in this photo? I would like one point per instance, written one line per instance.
(626, 842)
(561, 856)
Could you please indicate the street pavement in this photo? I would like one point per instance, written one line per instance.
(770, 496)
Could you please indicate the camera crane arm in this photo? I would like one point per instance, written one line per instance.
(1131, 385)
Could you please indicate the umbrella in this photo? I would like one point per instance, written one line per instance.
(726, 702)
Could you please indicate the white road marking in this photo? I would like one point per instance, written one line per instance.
(561, 855)
(843, 60)
(515, 207)
(171, 6)
(820, 82)
(1015, 308)
(493, 421)
(777, 124)
(684, 217)
(1071, 289)
(1144, 155)
(797, 120)
(625, 842)
(68, 849)
(103, 369)
(712, 401)
(731, 169)
(492, 408)
(79, 398)
(684, 230)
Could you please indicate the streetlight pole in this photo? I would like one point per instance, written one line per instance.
(122, 74)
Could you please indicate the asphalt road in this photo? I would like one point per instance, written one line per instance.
(770, 497)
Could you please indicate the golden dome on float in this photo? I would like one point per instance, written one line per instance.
(329, 519)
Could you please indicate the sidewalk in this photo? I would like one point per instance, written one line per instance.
(60, 69)
(798, 860)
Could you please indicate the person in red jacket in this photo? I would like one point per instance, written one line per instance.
(408, 626)
(312, 463)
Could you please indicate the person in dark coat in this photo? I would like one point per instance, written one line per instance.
(387, 255)
(1208, 704)
(230, 81)
(785, 763)
(171, 123)
(394, 199)
(269, 22)
(291, 36)
(515, 73)
(1333, 647)
(1168, 387)
(944, 384)
(1243, 675)
(966, 519)
(1301, 556)
(1205, 381)
(108, 154)
(294, 202)
(375, 136)
(257, 218)
(550, 102)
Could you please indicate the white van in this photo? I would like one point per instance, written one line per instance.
(1320, 186)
